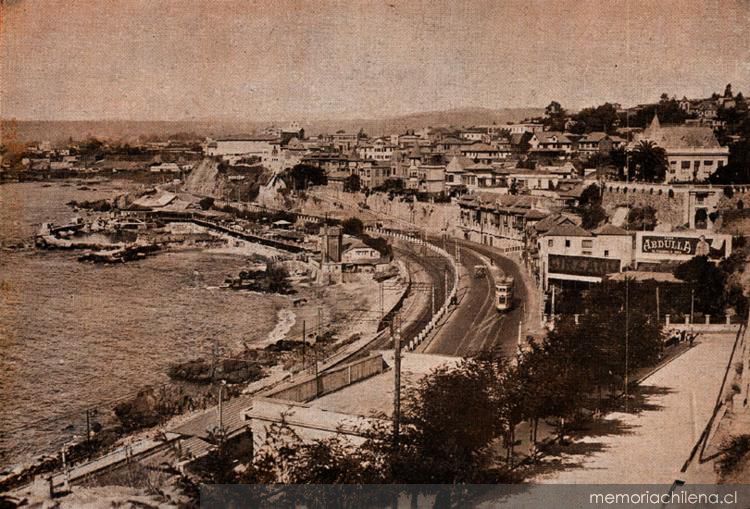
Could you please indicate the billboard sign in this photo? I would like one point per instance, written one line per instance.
(681, 245)
(582, 265)
(655, 246)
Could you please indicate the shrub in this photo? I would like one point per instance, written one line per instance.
(735, 452)
(728, 191)
(206, 203)
(353, 226)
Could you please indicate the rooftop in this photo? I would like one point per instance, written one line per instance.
(610, 229)
(568, 230)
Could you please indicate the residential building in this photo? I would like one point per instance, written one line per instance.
(476, 134)
(431, 178)
(569, 253)
(551, 143)
(480, 152)
(497, 219)
(598, 142)
(241, 145)
(344, 142)
(693, 152)
(378, 150)
(524, 127)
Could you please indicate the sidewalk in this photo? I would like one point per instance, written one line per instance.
(652, 445)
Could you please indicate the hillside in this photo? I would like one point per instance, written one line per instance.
(60, 131)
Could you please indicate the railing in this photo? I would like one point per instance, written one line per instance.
(207, 223)
(409, 237)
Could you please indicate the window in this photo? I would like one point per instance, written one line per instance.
(587, 244)
(685, 165)
(606, 252)
(550, 243)
(708, 163)
(567, 242)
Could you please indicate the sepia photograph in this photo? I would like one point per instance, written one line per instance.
(374, 253)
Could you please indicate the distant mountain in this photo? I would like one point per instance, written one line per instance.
(461, 117)
(60, 131)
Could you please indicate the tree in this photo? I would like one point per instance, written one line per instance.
(642, 218)
(590, 208)
(554, 116)
(352, 184)
(599, 118)
(648, 162)
(304, 175)
(728, 91)
(439, 445)
(353, 226)
(593, 216)
(707, 281)
(206, 203)
(377, 243)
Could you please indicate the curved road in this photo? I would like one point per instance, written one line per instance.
(475, 324)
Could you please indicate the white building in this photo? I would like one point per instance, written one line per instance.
(570, 253)
(693, 152)
(259, 146)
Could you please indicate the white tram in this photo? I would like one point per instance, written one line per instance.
(504, 293)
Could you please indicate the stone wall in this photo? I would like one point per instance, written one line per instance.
(432, 217)
(669, 210)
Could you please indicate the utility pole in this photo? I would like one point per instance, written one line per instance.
(214, 355)
(382, 310)
(315, 354)
(397, 385)
(432, 288)
(692, 304)
(520, 333)
(88, 432)
(627, 339)
(445, 279)
(553, 304)
(658, 314)
(221, 407)
(304, 343)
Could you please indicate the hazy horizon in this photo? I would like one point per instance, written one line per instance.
(279, 120)
(190, 60)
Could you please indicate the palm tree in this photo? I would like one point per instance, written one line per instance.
(648, 162)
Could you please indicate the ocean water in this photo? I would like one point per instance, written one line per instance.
(75, 336)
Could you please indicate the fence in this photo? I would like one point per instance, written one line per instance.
(705, 323)
(330, 381)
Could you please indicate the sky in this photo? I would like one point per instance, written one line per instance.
(287, 59)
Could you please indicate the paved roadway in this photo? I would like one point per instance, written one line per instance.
(475, 324)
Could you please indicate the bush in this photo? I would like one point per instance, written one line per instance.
(206, 203)
(735, 452)
(642, 218)
(377, 243)
(353, 226)
(728, 192)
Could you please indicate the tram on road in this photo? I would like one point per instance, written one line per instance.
(504, 293)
